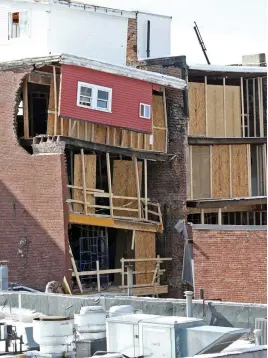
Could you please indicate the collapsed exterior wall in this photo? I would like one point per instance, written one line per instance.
(167, 182)
(33, 193)
(231, 264)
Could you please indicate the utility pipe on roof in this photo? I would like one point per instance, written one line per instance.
(189, 303)
(258, 337)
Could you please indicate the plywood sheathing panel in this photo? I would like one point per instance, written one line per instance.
(215, 112)
(90, 174)
(159, 140)
(158, 113)
(99, 134)
(220, 171)
(239, 170)
(200, 172)
(144, 248)
(124, 184)
(233, 111)
(197, 109)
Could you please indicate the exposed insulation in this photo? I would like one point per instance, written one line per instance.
(233, 111)
(158, 113)
(201, 172)
(144, 248)
(159, 140)
(215, 114)
(220, 171)
(239, 170)
(90, 174)
(124, 184)
(197, 109)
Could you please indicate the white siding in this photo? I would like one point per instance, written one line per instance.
(160, 28)
(33, 46)
(89, 35)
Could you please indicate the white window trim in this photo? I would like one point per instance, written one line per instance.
(148, 105)
(9, 25)
(94, 96)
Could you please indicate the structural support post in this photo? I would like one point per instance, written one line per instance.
(109, 183)
(202, 216)
(242, 106)
(55, 100)
(145, 189)
(129, 280)
(137, 185)
(254, 106)
(84, 180)
(189, 303)
(219, 216)
(25, 109)
(224, 107)
(206, 105)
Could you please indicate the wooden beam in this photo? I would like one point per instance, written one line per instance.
(145, 189)
(254, 106)
(219, 217)
(249, 170)
(98, 275)
(247, 105)
(260, 106)
(224, 107)
(109, 183)
(166, 121)
(210, 171)
(191, 171)
(84, 180)
(230, 172)
(80, 219)
(225, 141)
(222, 203)
(202, 216)
(55, 100)
(137, 185)
(206, 105)
(133, 240)
(242, 106)
(75, 270)
(25, 109)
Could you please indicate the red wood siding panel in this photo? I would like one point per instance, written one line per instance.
(127, 94)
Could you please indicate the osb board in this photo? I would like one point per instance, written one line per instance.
(158, 112)
(90, 176)
(124, 184)
(144, 248)
(233, 111)
(215, 114)
(51, 107)
(239, 170)
(159, 140)
(201, 172)
(220, 171)
(197, 109)
(100, 133)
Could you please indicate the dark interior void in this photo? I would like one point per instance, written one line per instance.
(233, 217)
(257, 170)
(106, 245)
(38, 101)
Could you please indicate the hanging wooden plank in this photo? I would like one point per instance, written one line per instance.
(197, 120)
(240, 173)
(233, 111)
(200, 172)
(220, 171)
(108, 164)
(215, 115)
(124, 184)
(144, 249)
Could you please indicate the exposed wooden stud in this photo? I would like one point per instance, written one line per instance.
(191, 171)
(84, 180)
(25, 109)
(131, 139)
(107, 139)
(145, 189)
(219, 216)
(247, 105)
(78, 129)
(122, 272)
(210, 171)
(242, 106)
(122, 137)
(249, 170)
(109, 183)
(86, 130)
(206, 104)
(75, 270)
(138, 141)
(230, 171)
(166, 121)
(133, 240)
(114, 136)
(98, 275)
(92, 134)
(55, 100)
(260, 106)
(137, 185)
(254, 106)
(264, 158)
(72, 128)
(224, 107)
(202, 216)
(59, 105)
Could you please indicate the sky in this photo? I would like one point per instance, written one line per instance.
(230, 28)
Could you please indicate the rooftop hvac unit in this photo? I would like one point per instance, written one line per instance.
(159, 336)
(261, 323)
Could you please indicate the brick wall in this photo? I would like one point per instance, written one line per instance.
(132, 42)
(231, 264)
(33, 192)
(167, 182)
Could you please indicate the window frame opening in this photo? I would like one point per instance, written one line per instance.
(95, 97)
(144, 106)
(16, 24)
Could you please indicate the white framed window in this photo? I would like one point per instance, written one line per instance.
(94, 97)
(18, 24)
(145, 110)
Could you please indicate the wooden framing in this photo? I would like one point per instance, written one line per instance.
(145, 190)
(249, 170)
(260, 93)
(224, 106)
(242, 106)
(25, 109)
(254, 106)
(55, 101)
(109, 183)
(166, 121)
(137, 186)
(206, 104)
